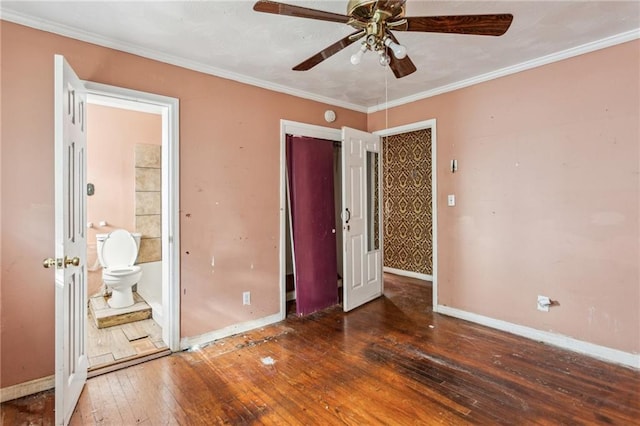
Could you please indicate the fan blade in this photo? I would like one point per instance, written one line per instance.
(492, 25)
(400, 67)
(328, 52)
(276, 8)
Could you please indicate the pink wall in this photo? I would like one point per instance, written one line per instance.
(229, 188)
(547, 195)
(112, 134)
(547, 192)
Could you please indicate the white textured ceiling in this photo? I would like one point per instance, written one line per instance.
(228, 38)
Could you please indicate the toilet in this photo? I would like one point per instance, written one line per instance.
(117, 253)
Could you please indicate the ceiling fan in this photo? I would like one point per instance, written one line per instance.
(375, 19)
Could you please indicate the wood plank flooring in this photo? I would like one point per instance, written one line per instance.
(391, 361)
(120, 344)
(105, 316)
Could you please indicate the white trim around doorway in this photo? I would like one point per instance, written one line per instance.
(169, 109)
(412, 127)
(298, 129)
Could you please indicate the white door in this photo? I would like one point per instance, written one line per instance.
(362, 218)
(70, 239)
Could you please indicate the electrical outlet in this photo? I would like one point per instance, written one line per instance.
(246, 298)
(543, 303)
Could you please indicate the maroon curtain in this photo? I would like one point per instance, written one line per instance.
(310, 172)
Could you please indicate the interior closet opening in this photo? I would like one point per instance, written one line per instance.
(313, 228)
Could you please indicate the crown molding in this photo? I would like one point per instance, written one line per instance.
(66, 31)
(523, 66)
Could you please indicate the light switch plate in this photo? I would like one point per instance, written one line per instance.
(451, 200)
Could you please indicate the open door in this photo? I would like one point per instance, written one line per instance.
(362, 218)
(70, 239)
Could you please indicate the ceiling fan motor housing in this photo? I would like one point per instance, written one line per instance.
(373, 16)
(365, 10)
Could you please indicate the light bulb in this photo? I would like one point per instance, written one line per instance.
(384, 58)
(357, 57)
(399, 51)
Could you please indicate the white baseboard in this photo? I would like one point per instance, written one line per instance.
(203, 339)
(27, 388)
(157, 313)
(596, 351)
(409, 274)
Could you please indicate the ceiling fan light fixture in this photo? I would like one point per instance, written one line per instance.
(384, 59)
(357, 57)
(399, 51)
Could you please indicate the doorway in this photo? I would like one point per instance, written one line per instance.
(286, 256)
(149, 195)
(415, 161)
(314, 238)
(361, 219)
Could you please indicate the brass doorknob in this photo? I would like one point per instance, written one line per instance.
(50, 262)
(75, 261)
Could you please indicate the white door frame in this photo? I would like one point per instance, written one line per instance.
(412, 127)
(299, 129)
(169, 109)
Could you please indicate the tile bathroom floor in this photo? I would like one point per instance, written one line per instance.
(122, 345)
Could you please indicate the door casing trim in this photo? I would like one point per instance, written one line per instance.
(412, 127)
(299, 129)
(169, 108)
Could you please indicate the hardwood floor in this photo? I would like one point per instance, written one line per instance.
(391, 361)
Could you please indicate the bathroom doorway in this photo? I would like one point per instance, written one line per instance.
(132, 185)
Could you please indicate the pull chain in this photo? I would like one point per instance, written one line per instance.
(386, 98)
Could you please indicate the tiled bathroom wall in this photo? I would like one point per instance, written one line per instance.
(148, 206)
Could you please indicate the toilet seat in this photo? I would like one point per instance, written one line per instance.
(119, 250)
(116, 272)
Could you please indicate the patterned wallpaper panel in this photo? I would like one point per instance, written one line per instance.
(407, 202)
